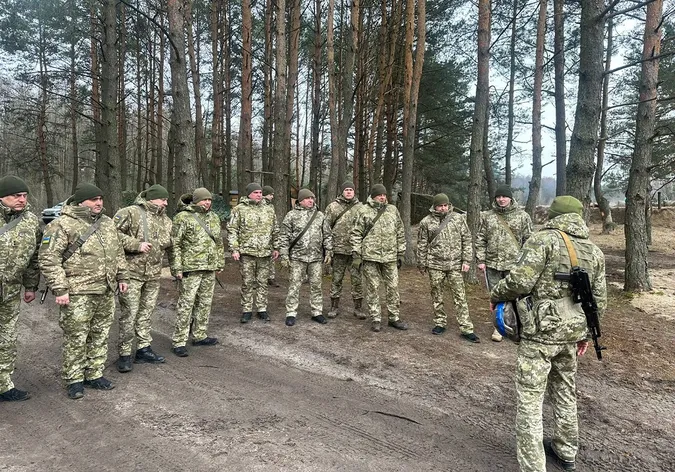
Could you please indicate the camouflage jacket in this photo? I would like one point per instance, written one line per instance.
(143, 222)
(342, 228)
(386, 240)
(554, 318)
(496, 246)
(193, 248)
(450, 248)
(253, 229)
(313, 242)
(18, 253)
(97, 266)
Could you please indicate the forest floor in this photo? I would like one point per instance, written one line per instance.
(339, 397)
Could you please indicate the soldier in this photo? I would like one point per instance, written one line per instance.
(305, 236)
(341, 216)
(253, 236)
(83, 261)
(20, 235)
(196, 255)
(145, 232)
(378, 242)
(268, 196)
(444, 250)
(501, 234)
(554, 332)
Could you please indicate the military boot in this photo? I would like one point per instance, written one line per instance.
(358, 302)
(398, 324)
(75, 390)
(246, 317)
(124, 364)
(376, 326)
(551, 452)
(14, 395)
(100, 383)
(334, 304)
(147, 356)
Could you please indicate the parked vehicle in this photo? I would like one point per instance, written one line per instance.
(50, 214)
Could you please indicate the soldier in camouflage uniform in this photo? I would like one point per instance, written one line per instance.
(268, 196)
(84, 278)
(378, 242)
(305, 236)
(501, 234)
(197, 253)
(145, 233)
(253, 235)
(341, 216)
(444, 251)
(554, 332)
(20, 235)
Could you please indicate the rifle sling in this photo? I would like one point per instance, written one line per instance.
(570, 249)
(12, 224)
(204, 227)
(380, 212)
(79, 242)
(144, 218)
(349, 207)
(441, 227)
(302, 233)
(503, 222)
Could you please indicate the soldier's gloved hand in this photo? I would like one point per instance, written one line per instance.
(356, 261)
(285, 263)
(328, 259)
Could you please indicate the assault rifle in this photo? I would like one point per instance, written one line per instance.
(583, 293)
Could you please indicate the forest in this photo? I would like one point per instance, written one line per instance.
(424, 96)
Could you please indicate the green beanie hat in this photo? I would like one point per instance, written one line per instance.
(267, 190)
(252, 187)
(201, 194)
(155, 192)
(504, 191)
(346, 185)
(565, 204)
(304, 193)
(441, 199)
(10, 184)
(378, 189)
(84, 192)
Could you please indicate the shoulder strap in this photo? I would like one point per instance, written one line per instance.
(349, 207)
(302, 233)
(380, 212)
(441, 227)
(204, 227)
(12, 224)
(77, 244)
(144, 218)
(570, 249)
(508, 228)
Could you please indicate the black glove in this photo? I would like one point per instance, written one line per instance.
(399, 262)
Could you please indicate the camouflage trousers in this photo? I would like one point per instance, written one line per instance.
(342, 262)
(494, 276)
(9, 314)
(194, 305)
(377, 273)
(272, 272)
(539, 366)
(86, 322)
(136, 308)
(254, 273)
(298, 269)
(455, 282)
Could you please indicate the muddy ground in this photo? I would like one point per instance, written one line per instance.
(339, 397)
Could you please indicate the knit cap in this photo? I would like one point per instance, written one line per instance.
(565, 204)
(11, 184)
(155, 192)
(84, 192)
(378, 189)
(304, 193)
(504, 191)
(201, 194)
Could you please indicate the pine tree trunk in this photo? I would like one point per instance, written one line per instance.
(559, 73)
(122, 108)
(75, 156)
(603, 204)
(315, 162)
(281, 163)
(200, 141)
(512, 93)
(268, 106)
(293, 59)
(244, 151)
(42, 118)
(332, 186)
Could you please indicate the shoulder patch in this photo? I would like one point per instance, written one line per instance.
(46, 239)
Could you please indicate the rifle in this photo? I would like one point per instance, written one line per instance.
(43, 296)
(583, 293)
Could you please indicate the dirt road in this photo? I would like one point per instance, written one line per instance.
(336, 397)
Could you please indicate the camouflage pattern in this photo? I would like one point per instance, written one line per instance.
(385, 242)
(272, 272)
(86, 322)
(450, 248)
(136, 308)
(18, 266)
(547, 353)
(193, 249)
(455, 282)
(194, 304)
(496, 246)
(95, 268)
(253, 229)
(494, 276)
(311, 246)
(131, 231)
(342, 263)
(342, 228)
(298, 270)
(542, 367)
(375, 274)
(254, 274)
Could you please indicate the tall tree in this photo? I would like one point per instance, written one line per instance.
(244, 150)
(282, 162)
(559, 72)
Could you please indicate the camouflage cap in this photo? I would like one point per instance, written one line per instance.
(11, 184)
(267, 190)
(565, 204)
(201, 194)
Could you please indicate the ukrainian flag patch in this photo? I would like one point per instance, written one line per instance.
(46, 239)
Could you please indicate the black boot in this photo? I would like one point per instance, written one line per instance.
(358, 302)
(100, 383)
(14, 395)
(246, 317)
(75, 390)
(334, 304)
(147, 356)
(205, 342)
(124, 364)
